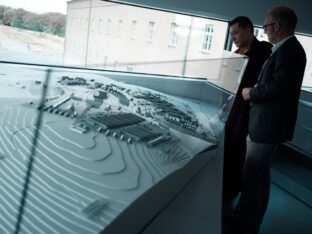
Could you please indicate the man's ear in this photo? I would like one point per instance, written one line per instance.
(277, 27)
(247, 30)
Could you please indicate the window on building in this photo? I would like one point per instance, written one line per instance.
(92, 25)
(100, 26)
(133, 29)
(130, 68)
(119, 28)
(86, 24)
(151, 31)
(105, 61)
(80, 23)
(207, 38)
(173, 41)
(108, 26)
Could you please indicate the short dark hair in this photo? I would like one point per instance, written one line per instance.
(243, 22)
(285, 16)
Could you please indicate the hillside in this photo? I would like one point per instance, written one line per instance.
(28, 46)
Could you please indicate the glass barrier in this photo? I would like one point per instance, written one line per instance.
(306, 42)
(111, 36)
(79, 146)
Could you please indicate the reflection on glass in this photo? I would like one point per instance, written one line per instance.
(105, 139)
(162, 40)
(90, 36)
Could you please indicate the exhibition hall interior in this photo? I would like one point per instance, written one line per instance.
(113, 115)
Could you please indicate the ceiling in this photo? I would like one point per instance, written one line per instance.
(226, 10)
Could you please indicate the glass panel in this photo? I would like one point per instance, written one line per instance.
(306, 42)
(104, 139)
(150, 50)
(99, 34)
(26, 36)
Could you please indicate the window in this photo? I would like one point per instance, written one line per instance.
(100, 26)
(207, 38)
(86, 24)
(92, 25)
(259, 34)
(80, 23)
(130, 68)
(133, 29)
(108, 26)
(119, 28)
(173, 35)
(151, 31)
(306, 42)
(174, 51)
(105, 61)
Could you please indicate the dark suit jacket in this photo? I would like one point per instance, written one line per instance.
(237, 123)
(274, 99)
(236, 128)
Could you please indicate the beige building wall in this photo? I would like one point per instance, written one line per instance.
(99, 34)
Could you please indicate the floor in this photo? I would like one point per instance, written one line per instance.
(290, 205)
(286, 215)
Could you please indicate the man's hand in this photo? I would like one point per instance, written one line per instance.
(246, 93)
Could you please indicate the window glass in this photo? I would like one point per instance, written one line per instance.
(306, 42)
(108, 27)
(119, 29)
(174, 35)
(207, 38)
(96, 34)
(133, 29)
(100, 26)
(151, 31)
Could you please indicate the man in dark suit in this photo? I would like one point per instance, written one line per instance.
(273, 112)
(236, 129)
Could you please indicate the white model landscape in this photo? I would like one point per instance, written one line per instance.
(88, 166)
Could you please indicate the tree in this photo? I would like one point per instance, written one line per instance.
(18, 22)
(53, 23)
(8, 16)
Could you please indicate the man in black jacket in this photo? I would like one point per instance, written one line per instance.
(236, 130)
(273, 112)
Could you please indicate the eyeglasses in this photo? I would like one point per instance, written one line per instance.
(267, 25)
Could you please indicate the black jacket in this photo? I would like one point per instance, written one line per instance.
(274, 100)
(237, 123)
(236, 128)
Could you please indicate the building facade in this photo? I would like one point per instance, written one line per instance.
(112, 36)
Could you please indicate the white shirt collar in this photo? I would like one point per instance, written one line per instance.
(278, 44)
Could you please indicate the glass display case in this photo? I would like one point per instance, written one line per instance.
(80, 148)
(110, 112)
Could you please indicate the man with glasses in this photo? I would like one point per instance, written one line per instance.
(273, 112)
(236, 129)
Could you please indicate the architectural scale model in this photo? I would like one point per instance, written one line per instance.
(101, 145)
